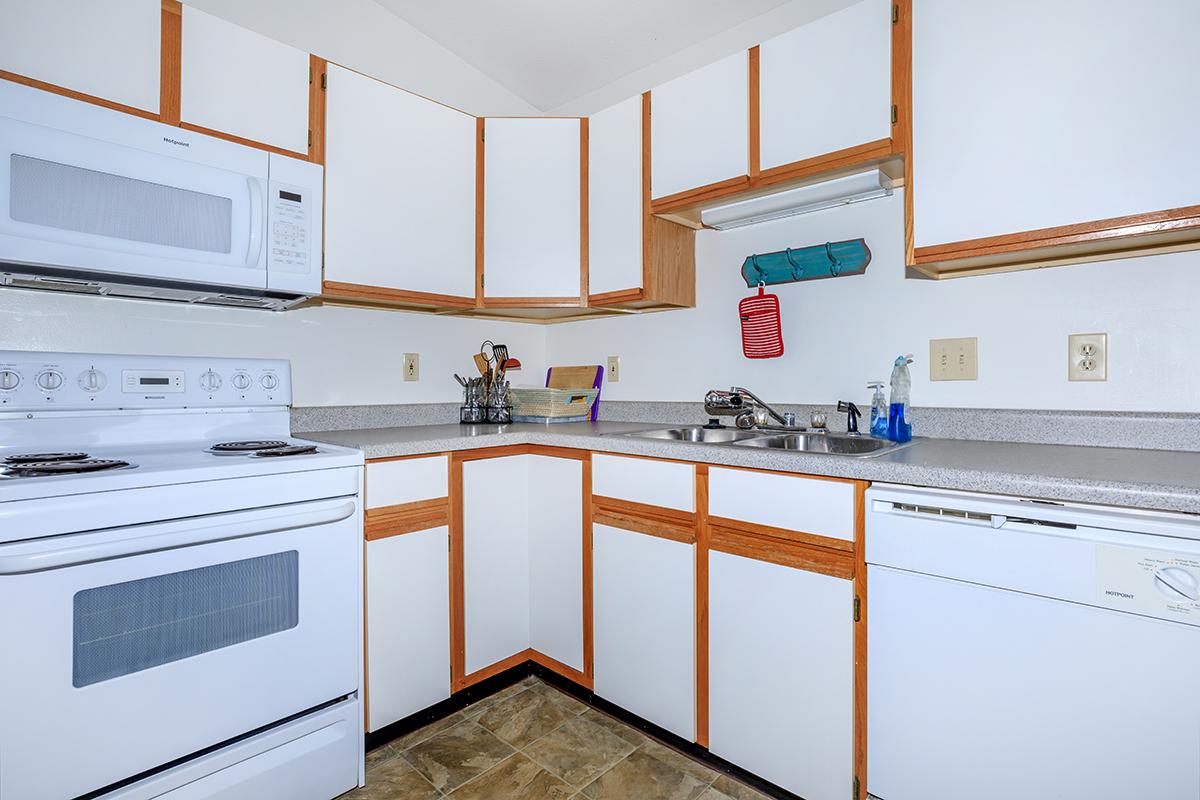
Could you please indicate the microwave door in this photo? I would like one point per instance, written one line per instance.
(68, 200)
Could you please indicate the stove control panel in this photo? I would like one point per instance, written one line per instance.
(73, 381)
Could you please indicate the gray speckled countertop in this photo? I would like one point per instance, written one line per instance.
(1155, 479)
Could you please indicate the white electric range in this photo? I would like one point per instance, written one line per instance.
(180, 584)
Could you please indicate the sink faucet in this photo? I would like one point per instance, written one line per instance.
(852, 414)
(734, 402)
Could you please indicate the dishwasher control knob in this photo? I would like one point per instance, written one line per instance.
(241, 381)
(50, 380)
(269, 381)
(9, 380)
(210, 381)
(1177, 583)
(92, 380)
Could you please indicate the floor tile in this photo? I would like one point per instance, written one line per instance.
(421, 734)
(725, 788)
(394, 780)
(479, 706)
(559, 698)
(679, 761)
(525, 717)
(612, 725)
(643, 776)
(517, 778)
(454, 756)
(579, 750)
(380, 754)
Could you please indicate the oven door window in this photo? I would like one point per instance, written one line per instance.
(128, 627)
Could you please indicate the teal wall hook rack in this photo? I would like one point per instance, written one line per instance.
(829, 260)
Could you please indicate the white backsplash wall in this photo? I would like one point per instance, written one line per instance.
(841, 333)
(340, 356)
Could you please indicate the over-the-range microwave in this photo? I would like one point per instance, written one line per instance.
(98, 201)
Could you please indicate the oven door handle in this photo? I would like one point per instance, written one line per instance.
(41, 555)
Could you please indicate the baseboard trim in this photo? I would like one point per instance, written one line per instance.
(489, 686)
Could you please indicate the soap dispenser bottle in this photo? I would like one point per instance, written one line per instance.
(879, 411)
(899, 430)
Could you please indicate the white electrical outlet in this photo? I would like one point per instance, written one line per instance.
(953, 359)
(412, 366)
(1087, 357)
(613, 373)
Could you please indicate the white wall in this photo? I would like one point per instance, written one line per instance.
(340, 356)
(841, 333)
(362, 35)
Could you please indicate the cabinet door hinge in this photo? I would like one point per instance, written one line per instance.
(310, 137)
(895, 114)
(324, 80)
(895, 14)
(481, 281)
(310, 76)
(857, 609)
(857, 788)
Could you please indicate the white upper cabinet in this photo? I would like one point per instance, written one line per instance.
(399, 189)
(241, 83)
(108, 50)
(700, 127)
(531, 207)
(1031, 115)
(615, 215)
(827, 85)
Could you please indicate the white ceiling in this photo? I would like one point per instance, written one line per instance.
(549, 52)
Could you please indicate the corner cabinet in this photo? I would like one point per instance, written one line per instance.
(1075, 147)
(533, 230)
(241, 84)
(635, 261)
(399, 195)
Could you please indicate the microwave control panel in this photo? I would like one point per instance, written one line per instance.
(293, 236)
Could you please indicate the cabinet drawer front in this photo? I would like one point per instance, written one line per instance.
(390, 483)
(809, 505)
(642, 480)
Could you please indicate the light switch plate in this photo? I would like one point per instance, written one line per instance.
(412, 366)
(954, 359)
(613, 373)
(1087, 357)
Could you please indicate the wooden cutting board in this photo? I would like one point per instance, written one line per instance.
(573, 377)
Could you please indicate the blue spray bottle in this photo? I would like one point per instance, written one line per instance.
(897, 429)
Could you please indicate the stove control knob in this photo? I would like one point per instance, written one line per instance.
(269, 381)
(50, 380)
(241, 381)
(210, 381)
(92, 380)
(9, 380)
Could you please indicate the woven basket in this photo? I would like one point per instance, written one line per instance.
(535, 401)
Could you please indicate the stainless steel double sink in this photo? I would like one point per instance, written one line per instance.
(855, 445)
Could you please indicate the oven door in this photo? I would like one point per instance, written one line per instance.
(127, 649)
(97, 205)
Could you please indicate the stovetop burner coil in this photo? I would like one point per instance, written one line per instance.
(36, 458)
(247, 447)
(291, 450)
(35, 468)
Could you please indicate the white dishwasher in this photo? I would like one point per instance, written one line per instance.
(1022, 650)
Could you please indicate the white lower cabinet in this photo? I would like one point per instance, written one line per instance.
(645, 626)
(523, 559)
(408, 624)
(781, 674)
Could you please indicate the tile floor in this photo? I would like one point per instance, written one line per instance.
(533, 742)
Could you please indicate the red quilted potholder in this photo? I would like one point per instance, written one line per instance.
(762, 336)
